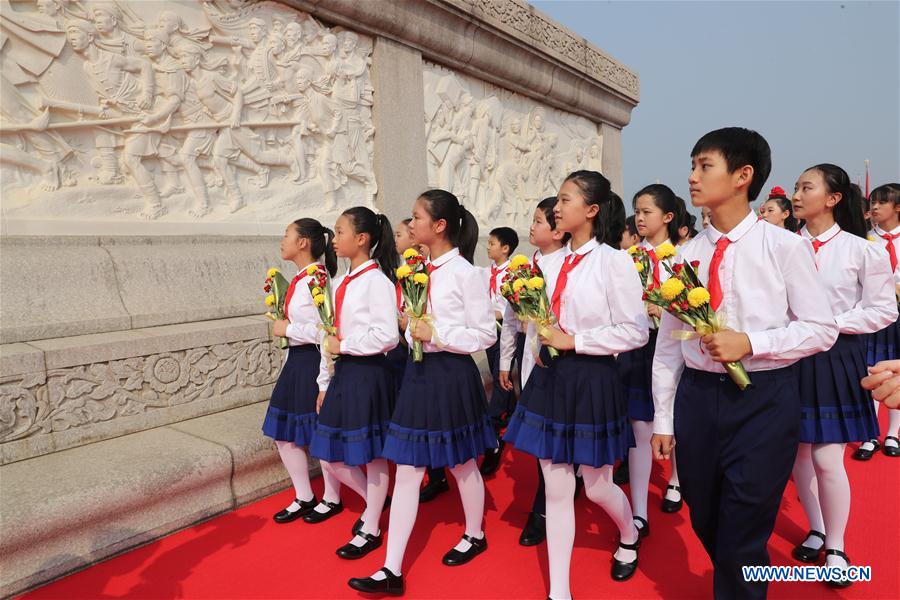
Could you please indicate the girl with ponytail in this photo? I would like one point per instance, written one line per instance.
(834, 408)
(777, 210)
(574, 411)
(291, 417)
(357, 398)
(441, 415)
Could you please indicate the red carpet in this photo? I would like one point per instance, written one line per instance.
(246, 555)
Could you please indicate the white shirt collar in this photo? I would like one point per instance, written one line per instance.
(646, 244)
(738, 232)
(880, 231)
(824, 236)
(303, 270)
(445, 258)
(361, 267)
(587, 247)
(501, 267)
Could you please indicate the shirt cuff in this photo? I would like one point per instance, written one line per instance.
(323, 387)
(505, 364)
(663, 426)
(579, 343)
(291, 331)
(760, 344)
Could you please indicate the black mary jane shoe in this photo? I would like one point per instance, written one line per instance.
(432, 490)
(892, 451)
(644, 529)
(286, 516)
(669, 506)
(805, 553)
(621, 476)
(455, 558)
(358, 525)
(863, 454)
(351, 552)
(314, 516)
(491, 462)
(535, 530)
(841, 583)
(622, 571)
(391, 585)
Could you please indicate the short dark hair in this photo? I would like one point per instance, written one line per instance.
(740, 147)
(507, 236)
(631, 226)
(889, 192)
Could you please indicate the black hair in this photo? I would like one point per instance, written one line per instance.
(889, 192)
(740, 147)
(546, 205)
(630, 226)
(320, 241)
(692, 226)
(406, 221)
(666, 201)
(381, 237)
(609, 223)
(790, 223)
(848, 213)
(462, 228)
(507, 236)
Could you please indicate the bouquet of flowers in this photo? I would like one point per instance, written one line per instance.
(684, 297)
(412, 277)
(320, 290)
(644, 265)
(524, 289)
(276, 287)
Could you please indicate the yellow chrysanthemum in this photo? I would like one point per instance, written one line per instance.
(665, 251)
(271, 272)
(519, 260)
(420, 278)
(319, 299)
(535, 283)
(671, 288)
(316, 291)
(270, 300)
(639, 266)
(311, 270)
(403, 272)
(697, 297)
(633, 250)
(505, 289)
(518, 284)
(409, 253)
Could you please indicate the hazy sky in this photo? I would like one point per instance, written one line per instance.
(820, 80)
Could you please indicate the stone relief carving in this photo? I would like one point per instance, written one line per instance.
(499, 152)
(212, 110)
(62, 399)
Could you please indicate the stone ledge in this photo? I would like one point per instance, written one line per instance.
(65, 511)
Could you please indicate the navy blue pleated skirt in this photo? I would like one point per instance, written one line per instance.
(397, 360)
(573, 411)
(635, 369)
(884, 344)
(834, 408)
(356, 411)
(291, 416)
(441, 415)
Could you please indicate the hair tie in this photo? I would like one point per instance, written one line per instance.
(775, 192)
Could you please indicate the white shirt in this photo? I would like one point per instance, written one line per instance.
(601, 305)
(549, 265)
(460, 307)
(303, 315)
(497, 300)
(368, 321)
(771, 292)
(876, 234)
(858, 279)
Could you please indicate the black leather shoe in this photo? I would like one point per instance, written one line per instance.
(357, 526)
(535, 530)
(807, 554)
(334, 508)
(621, 474)
(892, 451)
(644, 528)
(351, 552)
(391, 584)
(432, 490)
(455, 558)
(491, 461)
(842, 583)
(622, 571)
(668, 506)
(286, 516)
(863, 454)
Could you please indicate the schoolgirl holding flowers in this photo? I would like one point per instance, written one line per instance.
(575, 410)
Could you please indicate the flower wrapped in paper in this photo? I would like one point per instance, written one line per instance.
(276, 287)
(414, 282)
(684, 297)
(319, 285)
(525, 290)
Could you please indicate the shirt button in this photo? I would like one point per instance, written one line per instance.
(721, 379)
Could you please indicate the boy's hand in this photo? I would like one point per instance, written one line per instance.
(333, 345)
(279, 327)
(505, 383)
(661, 446)
(727, 346)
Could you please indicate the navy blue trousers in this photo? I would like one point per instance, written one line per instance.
(735, 454)
(502, 402)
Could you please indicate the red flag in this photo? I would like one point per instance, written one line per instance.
(867, 179)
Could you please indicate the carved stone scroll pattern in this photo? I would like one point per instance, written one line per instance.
(213, 111)
(498, 151)
(62, 399)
